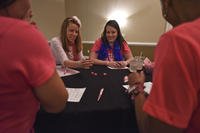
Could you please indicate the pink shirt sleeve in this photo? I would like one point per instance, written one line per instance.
(97, 45)
(125, 48)
(36, 63)
(26, 63)
(173, 97)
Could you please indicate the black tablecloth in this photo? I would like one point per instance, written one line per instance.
(113, 113)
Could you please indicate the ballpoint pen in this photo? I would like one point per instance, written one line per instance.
(100, 94)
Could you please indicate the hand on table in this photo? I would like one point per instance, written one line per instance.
(136, 78)
(123, 64)
(87, 63)
(117, 64)
(136, 81)
(148, 64)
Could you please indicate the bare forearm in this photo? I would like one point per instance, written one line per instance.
(72, 64)
(52, 94)
(128, 58)
(100, 62)
(141, 116)
(148, 124)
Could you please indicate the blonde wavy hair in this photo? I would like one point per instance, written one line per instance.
(78, 41)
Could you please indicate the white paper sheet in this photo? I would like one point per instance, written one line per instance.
(118, 68)
(75, 94)
(147, 88)
(65, 71)
(126, 86)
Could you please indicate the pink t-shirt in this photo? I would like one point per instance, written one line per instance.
(97, 45)
(175, 95)
(26, 62)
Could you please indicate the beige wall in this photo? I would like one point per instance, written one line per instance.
(145, 23)
(49, 15)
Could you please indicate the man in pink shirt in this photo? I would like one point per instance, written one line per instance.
(173, 105)
(27, 71)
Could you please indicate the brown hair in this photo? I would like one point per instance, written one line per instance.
(78, 42)
(114, 24)
(6, 3)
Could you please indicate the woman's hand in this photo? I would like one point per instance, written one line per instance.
(86, 63)
(136, 81)
(123, 64)
(148, 64)
(117, 64)
(113, 64)
(136, 78)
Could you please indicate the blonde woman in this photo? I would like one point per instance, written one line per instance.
(68, 48)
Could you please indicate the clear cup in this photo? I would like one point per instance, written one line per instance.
(136, 64)
(86, 62)
(86, 57)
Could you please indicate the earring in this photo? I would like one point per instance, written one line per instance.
(165, 14)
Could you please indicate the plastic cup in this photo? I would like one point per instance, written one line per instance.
(136, 64)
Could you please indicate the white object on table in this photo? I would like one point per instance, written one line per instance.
(118, 67)
(65, 71)
(75, 94)
(147, 85)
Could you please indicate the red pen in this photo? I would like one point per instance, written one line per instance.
(100, 94)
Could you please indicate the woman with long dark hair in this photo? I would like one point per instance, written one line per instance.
(111, 49)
